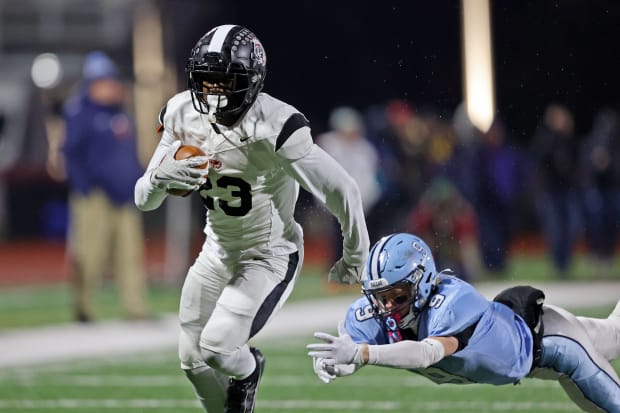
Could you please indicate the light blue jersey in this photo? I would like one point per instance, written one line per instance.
(498, 352)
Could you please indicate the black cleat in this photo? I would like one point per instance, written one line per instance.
(242, 393)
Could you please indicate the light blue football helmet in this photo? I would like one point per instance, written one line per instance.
(399, 261)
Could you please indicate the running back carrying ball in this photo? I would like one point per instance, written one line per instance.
(184, 152)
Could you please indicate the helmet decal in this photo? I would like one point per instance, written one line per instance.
(218, 37)
(259, 52)
(375, 258)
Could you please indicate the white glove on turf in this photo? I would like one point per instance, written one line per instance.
(343, 273)
(336, 350)
(179, 174)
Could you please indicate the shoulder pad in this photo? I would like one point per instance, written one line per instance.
(294, 122)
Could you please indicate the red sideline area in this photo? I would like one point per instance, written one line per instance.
(42, 262)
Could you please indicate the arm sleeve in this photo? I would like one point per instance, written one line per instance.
(146, 195)
(407, 354)
(319, 174)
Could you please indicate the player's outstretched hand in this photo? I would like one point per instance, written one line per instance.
(179, 174)
(336, 350)
(328, 372)
(343, 273)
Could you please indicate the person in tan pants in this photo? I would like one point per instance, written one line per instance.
(107, 236)
(102, 166)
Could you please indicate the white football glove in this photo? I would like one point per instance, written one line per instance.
(327, 374)
(324, 372)
(336, 350)
(179, 174)
(343, 273)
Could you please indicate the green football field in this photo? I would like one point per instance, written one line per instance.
(153, 383)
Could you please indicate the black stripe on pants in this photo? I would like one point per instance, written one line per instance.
(265, 310)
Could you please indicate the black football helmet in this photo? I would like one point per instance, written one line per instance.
(225, 72)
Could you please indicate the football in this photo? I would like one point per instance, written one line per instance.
(184, 152)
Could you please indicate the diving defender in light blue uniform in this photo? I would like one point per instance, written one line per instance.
(439, 326)
(499, 351)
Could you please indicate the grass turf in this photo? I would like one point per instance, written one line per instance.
(153, 383)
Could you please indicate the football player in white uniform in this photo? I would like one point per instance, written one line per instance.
(259, 150)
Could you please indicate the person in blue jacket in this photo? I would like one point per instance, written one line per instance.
(437, 325)
(101, 155)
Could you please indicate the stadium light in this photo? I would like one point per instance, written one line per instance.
(478, 63)
(46, 71)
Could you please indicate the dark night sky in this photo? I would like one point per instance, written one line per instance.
(326, 53)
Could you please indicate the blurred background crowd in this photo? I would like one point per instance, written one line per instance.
(473, 194)
(381, 86)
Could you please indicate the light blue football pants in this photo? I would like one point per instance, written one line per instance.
(576, 351)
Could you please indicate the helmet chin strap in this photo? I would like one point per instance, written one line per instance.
(408, 320)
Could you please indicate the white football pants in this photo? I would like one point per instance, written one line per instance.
(223, 304)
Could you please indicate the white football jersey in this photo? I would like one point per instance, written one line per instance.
(254, 172)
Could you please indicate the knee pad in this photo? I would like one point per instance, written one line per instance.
(224, 334)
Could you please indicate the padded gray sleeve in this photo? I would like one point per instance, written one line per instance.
(406, 354)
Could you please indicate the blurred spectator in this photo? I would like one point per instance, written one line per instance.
(487, 169)
(403, 142)
(102, 167)
(376, 125)
(442, 142)
(449, 224)
(411, 142)
(346, 142)
(461, 167)
(500, 165)
(556, 182)
(601, 187)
